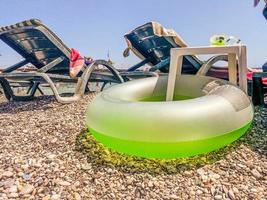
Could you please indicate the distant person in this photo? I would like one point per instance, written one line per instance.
(264, 67)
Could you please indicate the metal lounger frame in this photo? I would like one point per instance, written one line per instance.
(259, 89)
(38, 77)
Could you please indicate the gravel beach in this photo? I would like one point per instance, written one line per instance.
(46, 153)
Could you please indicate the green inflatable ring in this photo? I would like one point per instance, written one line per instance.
(134, 118)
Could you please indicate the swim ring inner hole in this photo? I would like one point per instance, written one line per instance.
(187, 87)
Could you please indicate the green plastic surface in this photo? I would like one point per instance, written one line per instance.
(169, 150)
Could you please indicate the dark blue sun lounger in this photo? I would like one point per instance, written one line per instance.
(152, 43)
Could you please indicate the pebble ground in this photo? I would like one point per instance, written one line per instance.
(46, 153)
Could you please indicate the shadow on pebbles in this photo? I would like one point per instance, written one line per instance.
(46, 153)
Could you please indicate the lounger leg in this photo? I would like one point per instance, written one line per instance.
(257, 91)
(30, 88)
(6, 88)
(103, 86)
(9, 92)
(33, 88)
(40, 90)
(60, 99)
(87, 89)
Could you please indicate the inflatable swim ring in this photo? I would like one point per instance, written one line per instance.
(134, 118)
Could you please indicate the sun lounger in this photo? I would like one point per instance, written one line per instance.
(152, 42)
(41, 47)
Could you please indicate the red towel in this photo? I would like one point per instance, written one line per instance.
(76, 62)
(250, 75)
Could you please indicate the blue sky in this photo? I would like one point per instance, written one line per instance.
(96, 26)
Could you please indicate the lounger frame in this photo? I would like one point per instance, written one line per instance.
(54, 71)
(37, 78)
(259, 89)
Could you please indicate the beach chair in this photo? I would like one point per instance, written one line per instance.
(152, 43)
(42, 48)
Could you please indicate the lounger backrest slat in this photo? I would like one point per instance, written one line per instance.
(37, 44)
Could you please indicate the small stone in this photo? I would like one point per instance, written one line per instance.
(231, 194)
(20, 174)
(19, 186)
(254, 190)
(204, 178)
(192, 193)
(240, 165)
(150, 184)
(256, 174)
(77, 196)
(64, 183)
(86, 166)
(55, 197)
(77, 184)
(13, 189)
(25, 167)
(156, 183)
(40, 190)
(7, 174)
(199, 192)
(212, 190)
(129, 181)
(39, 180)
(225, 189)
(26, 176)
(218, 197)
(173, 196)
(200, 171)
(250, 164)
(27, 189)
(8, 183)
(216, 176)
(137, 193)
(37, 165)
(47, 197)
(13, 195)
(34, 192)
(51, 156)
(235, 190)
(187, 173)
(54, 140)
